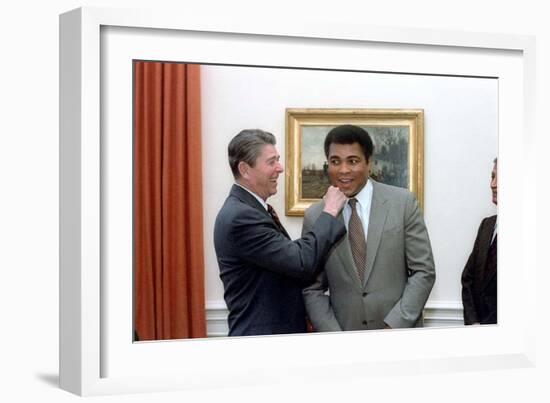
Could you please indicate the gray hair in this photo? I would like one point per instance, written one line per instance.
(246, 146)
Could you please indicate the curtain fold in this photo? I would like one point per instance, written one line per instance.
(168, 231)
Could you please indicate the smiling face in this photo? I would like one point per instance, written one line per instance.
(347, 168)
(262, 177)
(494, 183)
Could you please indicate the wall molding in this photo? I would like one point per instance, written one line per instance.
(216, 319)
(436, 314)
(443, 314)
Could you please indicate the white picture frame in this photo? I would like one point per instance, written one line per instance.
(94, 361)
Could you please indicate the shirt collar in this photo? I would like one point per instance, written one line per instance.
(365, 195)
(262, 201)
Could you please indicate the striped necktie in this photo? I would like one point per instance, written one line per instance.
(357, 241)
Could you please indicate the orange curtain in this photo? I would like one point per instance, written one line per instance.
(168, 232)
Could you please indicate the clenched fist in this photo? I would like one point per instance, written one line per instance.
(334, 201)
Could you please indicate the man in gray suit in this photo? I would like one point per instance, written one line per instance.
(380, 275)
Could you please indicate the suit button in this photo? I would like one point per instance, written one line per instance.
(364, 294)
(365, 322)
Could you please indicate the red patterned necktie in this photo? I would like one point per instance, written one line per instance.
(275, 217)
(357, 241)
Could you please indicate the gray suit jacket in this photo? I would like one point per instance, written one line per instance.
(399, 273)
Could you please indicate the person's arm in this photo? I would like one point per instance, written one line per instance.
(318, 307)
(317, 302)
(257, 241)
(421, 269)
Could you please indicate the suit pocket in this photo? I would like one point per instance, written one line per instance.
(392, 236)
(397, 229)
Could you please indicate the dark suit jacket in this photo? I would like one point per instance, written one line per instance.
(479, 287)
(262, 270)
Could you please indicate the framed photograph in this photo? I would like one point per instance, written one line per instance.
(398, 159)
(97, 49)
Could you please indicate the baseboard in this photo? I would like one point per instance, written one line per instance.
(436, 314)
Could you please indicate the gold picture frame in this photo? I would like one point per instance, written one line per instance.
(398, 134)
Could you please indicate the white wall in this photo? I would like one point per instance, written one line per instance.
(460, 142)
(29, 201)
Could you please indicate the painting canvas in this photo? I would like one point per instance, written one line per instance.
(397, 159)
(389, 162)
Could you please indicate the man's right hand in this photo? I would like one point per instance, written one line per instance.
(334, 201)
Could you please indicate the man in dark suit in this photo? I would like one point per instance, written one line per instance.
(479, 278)
(263, 271)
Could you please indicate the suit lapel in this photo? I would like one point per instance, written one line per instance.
(343, 251)
(487, 279)
(487, 237)
(377, 220)
(247, 198)
(283, 231)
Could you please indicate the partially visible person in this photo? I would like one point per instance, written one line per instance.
(380, 275)
(479, 278)
(263, 271)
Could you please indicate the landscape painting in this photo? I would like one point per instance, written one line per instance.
(397, 135)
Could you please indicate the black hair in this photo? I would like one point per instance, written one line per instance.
(349, 134)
